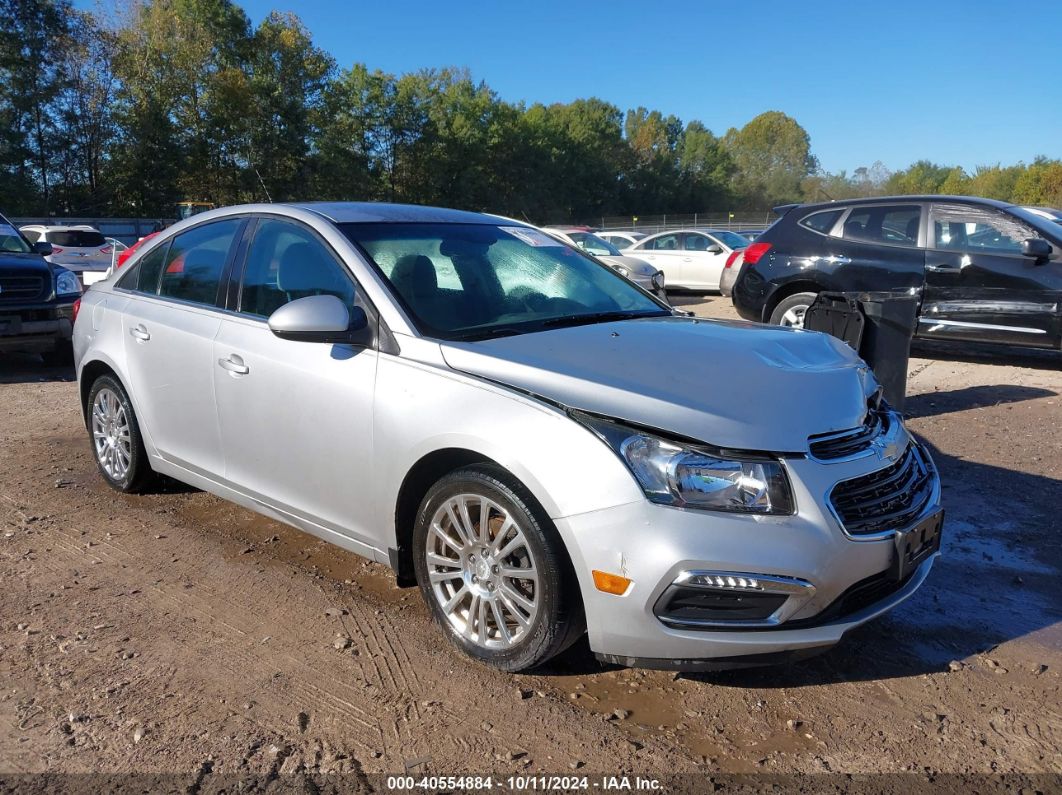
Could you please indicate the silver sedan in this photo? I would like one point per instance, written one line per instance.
(543, 448)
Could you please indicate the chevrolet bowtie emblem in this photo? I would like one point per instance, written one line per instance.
(887, 451)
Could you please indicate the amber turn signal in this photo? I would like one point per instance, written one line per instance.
(611, 583)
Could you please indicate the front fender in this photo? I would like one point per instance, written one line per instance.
(565, 466)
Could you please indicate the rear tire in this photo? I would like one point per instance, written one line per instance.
(790, 311)
(502, 589)
(115, 437)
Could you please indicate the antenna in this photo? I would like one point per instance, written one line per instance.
(262, 183)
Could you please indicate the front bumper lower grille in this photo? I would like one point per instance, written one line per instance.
(888, 499)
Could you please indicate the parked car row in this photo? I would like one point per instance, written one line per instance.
(984, 270)
(637, 270)
(80, 249)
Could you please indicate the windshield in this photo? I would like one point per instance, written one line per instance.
(730, 239)
(594, 244)
(10, 240)
(76, 238)
(472, 281)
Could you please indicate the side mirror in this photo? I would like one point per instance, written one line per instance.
(714, 249)
(321, 318)
(42, 248)
(1036, 248)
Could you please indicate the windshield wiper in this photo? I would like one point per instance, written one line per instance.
(596, 317)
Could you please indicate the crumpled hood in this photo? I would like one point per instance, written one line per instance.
(633, 264)
(724, 383)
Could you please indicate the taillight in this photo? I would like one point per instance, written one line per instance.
(105, 250)
(755, 252)
(732, 258)
(74, 310)
(56, 250)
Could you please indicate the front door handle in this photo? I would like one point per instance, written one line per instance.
(942, 269)
(234, 364)
(139, 333)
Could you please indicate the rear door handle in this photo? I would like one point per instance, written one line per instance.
(234, 364)
(139, 333)
(942, 269)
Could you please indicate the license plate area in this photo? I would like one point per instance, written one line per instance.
(10, 324)
(916, 545)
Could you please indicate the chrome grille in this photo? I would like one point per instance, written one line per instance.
(20, 288)
(828, 446)
(889, 499)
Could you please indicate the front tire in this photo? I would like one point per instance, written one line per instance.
(493, 570)
(114, 433)
(791, 310)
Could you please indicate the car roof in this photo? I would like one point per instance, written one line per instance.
(841, 203)
(382, 212)
(701, 230)
(61, 227)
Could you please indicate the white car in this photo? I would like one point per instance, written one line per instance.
(1050, 213)
(637, 270)
(621, 239)
(81, 249)
(690, 258)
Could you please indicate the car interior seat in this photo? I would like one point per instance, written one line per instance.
(305, 270)
(415, 279)
(911, 232)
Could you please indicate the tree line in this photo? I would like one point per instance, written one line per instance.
(185, 100)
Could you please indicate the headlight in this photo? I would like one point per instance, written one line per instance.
(691, 476)
(622, 271)
(66, 283)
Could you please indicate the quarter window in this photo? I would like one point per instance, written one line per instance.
(821, 221)
(894, 225)
(196, 260)
(286, 262)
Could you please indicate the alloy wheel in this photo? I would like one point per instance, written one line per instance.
(482, 571)
(794, 316)
(111, 436)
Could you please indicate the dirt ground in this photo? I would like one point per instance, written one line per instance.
(176, 633)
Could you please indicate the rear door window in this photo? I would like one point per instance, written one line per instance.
(196, 261)
(895, 225)
(147, 276)
(662, 243)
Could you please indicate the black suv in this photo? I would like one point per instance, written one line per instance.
(984, 270)
(36, 299)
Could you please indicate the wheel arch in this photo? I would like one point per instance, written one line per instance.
(91, 371)
(422, 476)
(786, 290)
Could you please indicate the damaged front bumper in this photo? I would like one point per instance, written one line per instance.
(712, 590)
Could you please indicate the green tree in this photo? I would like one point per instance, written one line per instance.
(32, 35)
(772, 157)
(288, 79)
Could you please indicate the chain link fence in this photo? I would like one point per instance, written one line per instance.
(650, 224)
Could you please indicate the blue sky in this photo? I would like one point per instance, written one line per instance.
(964, 82)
